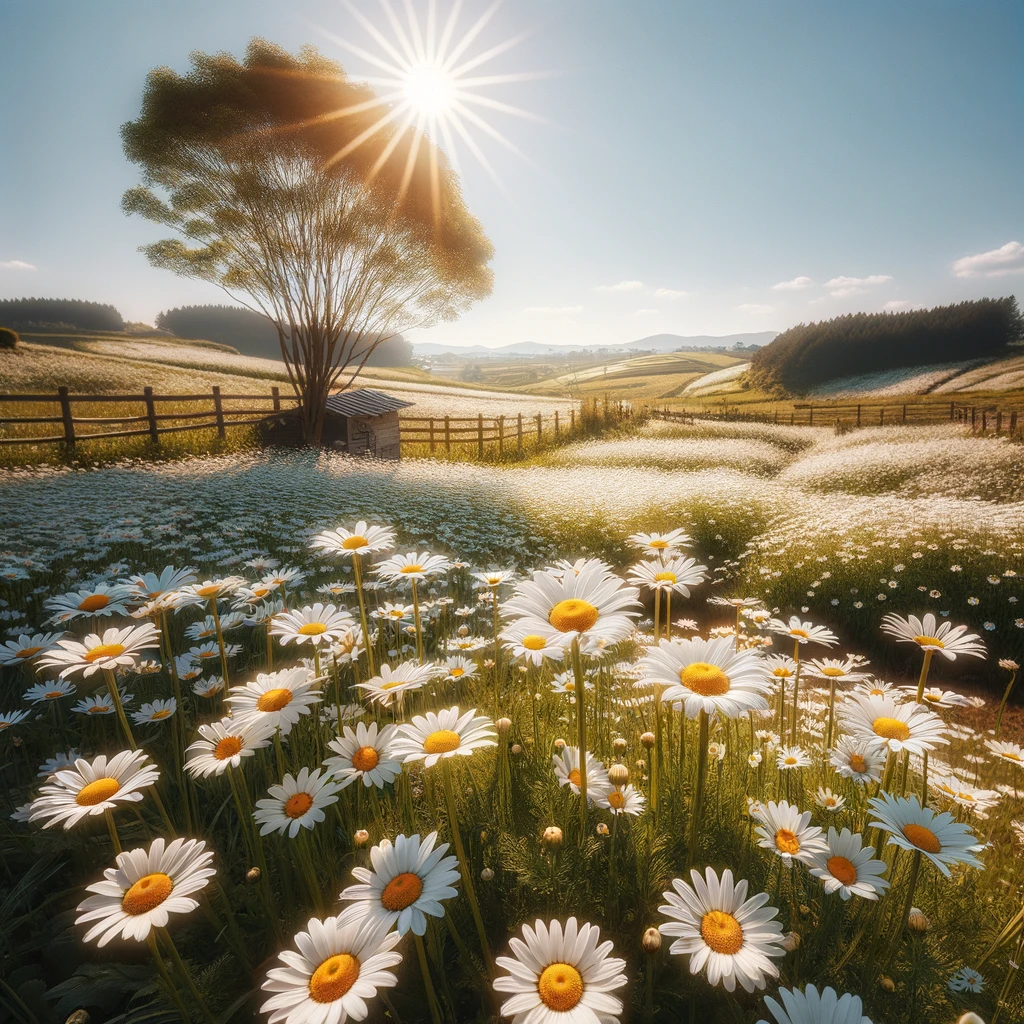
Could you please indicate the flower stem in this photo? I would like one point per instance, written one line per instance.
(115, 840)
(416, 621)
(428, 984)
(657, 612)
(357, 568)
(115, 696)
(179, 964)
(1002, 703)
(220, 641)
(698, 793)
(923, 678)
(795, 732)
(908, 904)
(581, 731)
(165, 977)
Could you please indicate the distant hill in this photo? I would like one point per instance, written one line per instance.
(63, 313)
(652, 343)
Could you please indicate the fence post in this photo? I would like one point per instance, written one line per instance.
(999, 422)
(501, 436)
(792, 417)
(540, 429)
(556, 424)
(881, 416)
(431, 435)
(519, 433)
(275, 394)
(810, 415)
(1013, 423)
(952, 406)
(154, 434)
(984, 420)
(447, 434)
(65, 412)
(218, 408)
(572, 420)
(480, 436)
(904, 412)
(974, 411)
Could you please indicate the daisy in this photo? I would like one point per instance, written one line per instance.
(393, 683)
(208, 590)
(810, 1007)
(792, 757)
(858, 758)
(943, 840)
(364, 753)
(561, 975)
(1011, 752)
(336, 589)
(789, 834)
(707, 675)
(275, 700)
(102, 703)
(945, 638)
(676, 574)
(48, 691)
(222, 745)
(977, 800)
(407, 881)
(735, 938)
(298, 802)
(145, 888)
(317, 624)
(495, 579)
(565, 682)
(211, 651)
(566, 763)
(625, 800)
(336, 971)
(835, 670)
(877, 688)
(444, 734)
(11, 718)
(803, 632)
(156, 711)
(591, 607)
(26, 647)
(939, 698)
(89, 788)
(208, 687)
(458, 669)
(532, 647)
(362, 540)
(966, 980)
(258, 593)
(206, 628)
(829, 801)
(895, 726)
(95, 653)
(103, 599)
(395, 612)
(58, 761)
(412, 566)
(659, 543)
(847, 867)
(780, 666)
(149, 586)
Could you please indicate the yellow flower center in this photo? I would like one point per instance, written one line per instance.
(573, 615)
(27, 652)
(616, 799)
(722, 932)
(560, 987)
(832, 672)
(532, 642)
(935, 698)
(891, 728)
(96, 792)
(365, 759)
(333, 978)
(929, 641)
(103, 651)
(312, 629)
(354, 542)
(227, 747)
(923, 838)
(1011, 756)
(146, 894)
(781, 672)
(260, 591)
(787, 842)
(297, 805)
(801, 633)
(658, 544)
(53, 694)
(441, 742)
(842, 869)
(830, 801)
(574, 776)
(456, 672)
(707, 680)
(162, 713)
(790, 760)
(410, 569)
(99, 709)
(207, 591)
(858, 764)
(274, 700)
(665, 577)
(94, 602)
(208, 654)
(402, 891)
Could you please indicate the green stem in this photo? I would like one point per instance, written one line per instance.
(1002, 703)
(179, 964)
(923, 678)
(165, 977)
(416, 621)
(115, 696)
(698, 793)
(428, 984)
(220, 642)
(795, 732)
(115, 840)
(581, 731)
(357, 568)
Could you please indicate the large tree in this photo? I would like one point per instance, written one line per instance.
(296, 191)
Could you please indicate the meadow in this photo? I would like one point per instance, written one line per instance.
(721, 734)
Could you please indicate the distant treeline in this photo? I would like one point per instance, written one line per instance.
(254, 335)
(810, 354)
(24, 314)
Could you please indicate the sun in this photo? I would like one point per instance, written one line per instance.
(429, 88)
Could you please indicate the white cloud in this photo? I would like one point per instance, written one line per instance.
(897, 305)
(17, 265)
(796, 285)
(755, 308)
(554, 309)
(646, 311)
(622, 286)
(668, 293)
(841, 287)
(1007, 259)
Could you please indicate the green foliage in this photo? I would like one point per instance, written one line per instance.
(8, 338)
(85, 316)
(809, 354)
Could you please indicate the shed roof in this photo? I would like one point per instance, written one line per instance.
(364, 402)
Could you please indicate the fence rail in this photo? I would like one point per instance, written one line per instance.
(986, 418)
(497, 431)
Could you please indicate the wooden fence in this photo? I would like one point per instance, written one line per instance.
(221, 414)
(499, 432)
(981, 418)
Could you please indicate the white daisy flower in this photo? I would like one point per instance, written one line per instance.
(53, 690)
(317, 624)
(114, 648)
(660, 543)
(1011, 752)
(532, 647)
(101, 704)
(735, 938)
(675, 574)
(103, 599)
(90, 788)
(625, 800)
(391, 684)
(810, 1007)
(222, 745)
(27, 646)
(337, 970)
(443, 734)
(936, 697)
(364, 753)
(408, 880)
(457, 669)
(298, 802)
(848, 867)
(561, 975)
(277, 700)
(835, 670)
(206, 591)
(896, 726)
(363, 539)
(803, 632)
(858, 758)
(966, 980)
(208, 687)
(930, 635)
(780, 666)
(58, 761)
(145, 888)
(943, 840)
(495, 578)
(829, 801)
(566, 763)
(788, 758)
(413, 566)
(789, 834)
(155, 711)
(149, 586)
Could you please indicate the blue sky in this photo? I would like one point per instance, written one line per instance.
(688, 158)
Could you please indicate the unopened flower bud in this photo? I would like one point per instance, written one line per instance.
(552, 838)
(619, 745)
(791, 941)
(488, 663)
(602, 829)
(483, 837)
(503, 724)
(804, 910)
(647, 739)
(487, 874)
(463, 631)
(559, 744)
(917, 920)
(252, 876)
(78, 1017)
(651, 941)
(970, 1018)
(618, 775)
(886, 984)
(362, 837)
(516, 748)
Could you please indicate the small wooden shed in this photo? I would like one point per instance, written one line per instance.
(364, 422)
